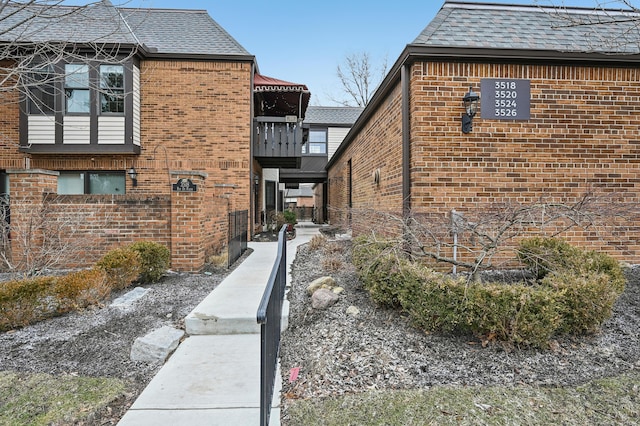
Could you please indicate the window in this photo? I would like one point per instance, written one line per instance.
(91, 183)
(76, 88)
(112, 88)
(317, 142)
(42, 91)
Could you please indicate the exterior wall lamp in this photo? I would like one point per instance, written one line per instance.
(470, 102)
(133, 175)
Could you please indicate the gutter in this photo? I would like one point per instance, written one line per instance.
(400, 72)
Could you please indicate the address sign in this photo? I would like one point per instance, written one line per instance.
(505, 99)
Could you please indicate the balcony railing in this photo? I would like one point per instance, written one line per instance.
(277, 142)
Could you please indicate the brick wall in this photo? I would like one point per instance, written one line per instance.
(582, 137)
(378, 146)
(195, 116)
(10, 157)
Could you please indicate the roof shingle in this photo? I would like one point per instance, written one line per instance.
(560, 29)
(165, 31)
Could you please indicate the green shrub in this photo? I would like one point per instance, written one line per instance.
(290, 217)
(543, 255)
(515, 313)
(585, 301)
(575, 294)
(122, 266)
(435, 302)
(385, 277)
(154, 260)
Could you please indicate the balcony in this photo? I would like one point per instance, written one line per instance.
(277, 142)
(312, 170)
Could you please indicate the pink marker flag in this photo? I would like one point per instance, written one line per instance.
(293, 374)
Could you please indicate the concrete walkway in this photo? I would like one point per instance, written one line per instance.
(213, 378)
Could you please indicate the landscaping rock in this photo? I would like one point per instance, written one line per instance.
(353, 311)
(157, 345)
(322, 282)
(128, 298)
(337, 290)
(323, 298)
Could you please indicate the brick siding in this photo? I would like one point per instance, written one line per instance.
(582, 136)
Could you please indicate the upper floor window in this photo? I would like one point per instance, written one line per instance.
(317, 143)
(42, 90)
(76, 88)
(112, 88)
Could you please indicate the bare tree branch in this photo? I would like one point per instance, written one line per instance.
(359, 79)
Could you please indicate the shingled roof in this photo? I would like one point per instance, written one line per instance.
(506, 26)
(339, 116)
(160, 31)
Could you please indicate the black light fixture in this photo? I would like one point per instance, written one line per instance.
(470, 102)
(133, 175)
(256, 179)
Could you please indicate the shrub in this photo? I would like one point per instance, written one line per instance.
(81, 289)
(122, 266)
(544, 255)
(584, 301)
(290, 217)
(317, 242)
(154, 260)
(332, 263)
(575, 295)
(23, 302)
(517, 313)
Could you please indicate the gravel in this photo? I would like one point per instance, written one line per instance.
(338, 353)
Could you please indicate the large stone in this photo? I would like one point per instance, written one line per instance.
(323, 298)
(322, 282)
(157, 345)
(126, 300)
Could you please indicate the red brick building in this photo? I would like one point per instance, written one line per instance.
(558, 117)
(142, 126)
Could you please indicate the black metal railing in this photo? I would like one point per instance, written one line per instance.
(270, 319)
(238, 235)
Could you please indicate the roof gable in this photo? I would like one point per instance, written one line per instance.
(560, 29)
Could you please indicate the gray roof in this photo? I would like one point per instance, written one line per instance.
(162, 31)
(560, 29)
(303, 191)
(341, 116)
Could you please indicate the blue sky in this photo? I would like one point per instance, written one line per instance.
(304, 41)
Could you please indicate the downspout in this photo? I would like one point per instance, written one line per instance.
(405, 76)
(252, 195)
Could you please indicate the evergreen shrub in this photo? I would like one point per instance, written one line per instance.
(154, 260)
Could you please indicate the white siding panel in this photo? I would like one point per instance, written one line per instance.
(42, 129)
(335, 136)
(76, 129)
(111, 130)
(136, 106)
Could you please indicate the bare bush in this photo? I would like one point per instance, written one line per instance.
(48, 237)
(485, 237)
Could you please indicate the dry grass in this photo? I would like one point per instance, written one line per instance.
(611, 401)
(42, 399)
